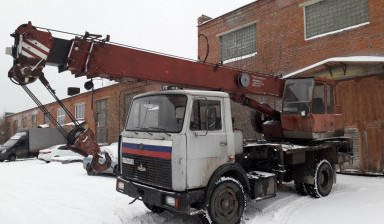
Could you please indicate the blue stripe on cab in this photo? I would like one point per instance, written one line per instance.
(155, 148)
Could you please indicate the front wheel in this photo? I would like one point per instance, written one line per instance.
(12, 158)
(323, 180)
(226, 203)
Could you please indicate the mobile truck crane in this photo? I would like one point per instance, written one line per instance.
(178, 150)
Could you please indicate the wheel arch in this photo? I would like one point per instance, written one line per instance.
(233, 170)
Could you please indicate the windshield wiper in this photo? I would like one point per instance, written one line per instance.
(162, 130)
(143, 129)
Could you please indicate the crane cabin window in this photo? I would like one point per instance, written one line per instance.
(238, 44)
(329, 16)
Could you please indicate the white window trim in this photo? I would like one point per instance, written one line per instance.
(336, 31)
(239, 58)
(76, 105)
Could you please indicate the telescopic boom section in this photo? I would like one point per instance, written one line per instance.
(92, 57)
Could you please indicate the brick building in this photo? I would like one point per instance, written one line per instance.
(307, 38)
(110, 108)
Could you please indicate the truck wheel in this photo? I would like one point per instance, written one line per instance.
(300, 188)
(12, 158)
(47, 161)
(226, 203)
(323, 180)
(153, 208)
(1, 160)
(90, 170)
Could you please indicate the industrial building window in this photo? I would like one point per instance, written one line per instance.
(46, 119)
(15, 126)
(328, 16)
(24, 122)
(34, 121)
(238, 44)
(80, 111)
(60, 116)
(102, 120)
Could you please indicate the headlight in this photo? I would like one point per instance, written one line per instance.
(171, 201)
(4, 151)
(120, 185)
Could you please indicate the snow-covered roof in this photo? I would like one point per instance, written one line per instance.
(43, 126)
(331, 61)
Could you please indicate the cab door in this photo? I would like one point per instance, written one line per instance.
(206, 144)
(318, 109)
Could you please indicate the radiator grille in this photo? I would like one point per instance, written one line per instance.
(158, 172)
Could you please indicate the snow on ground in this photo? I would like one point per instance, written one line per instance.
(34, 192)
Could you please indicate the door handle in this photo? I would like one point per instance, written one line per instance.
(223, 143)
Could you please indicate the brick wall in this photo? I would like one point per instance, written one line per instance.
(281, 44)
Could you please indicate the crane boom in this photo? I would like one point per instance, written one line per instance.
(90, 56)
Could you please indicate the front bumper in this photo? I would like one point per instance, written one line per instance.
(155, 196)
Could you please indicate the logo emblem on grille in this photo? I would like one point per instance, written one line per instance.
(141, 168)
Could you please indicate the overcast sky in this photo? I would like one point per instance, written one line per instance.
(168, 26)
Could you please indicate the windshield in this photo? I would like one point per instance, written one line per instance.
(159, 113)
(297, 96)
(14, 139)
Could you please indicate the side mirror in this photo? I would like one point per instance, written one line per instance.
(210, 118)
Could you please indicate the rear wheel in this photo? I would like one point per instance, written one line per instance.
(226, 203)
(47, 161)
(12, 158)
(153, 208)
(323, 177)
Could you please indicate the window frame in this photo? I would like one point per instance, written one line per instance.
(237, 29)
(220, 111)
(60, 116)
(78, 105)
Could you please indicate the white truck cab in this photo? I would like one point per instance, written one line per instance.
(176, 139)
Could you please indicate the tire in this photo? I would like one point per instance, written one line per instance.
(153, 208)
(1, 160)
(323, 177)
(47, 161)
(12, 158)
(90, 170)
(227, 202)
(300, 188)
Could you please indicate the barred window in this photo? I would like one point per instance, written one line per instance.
(332, 15)
(80, 111)
(238, 43)
(60, 116)
(34, 121)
